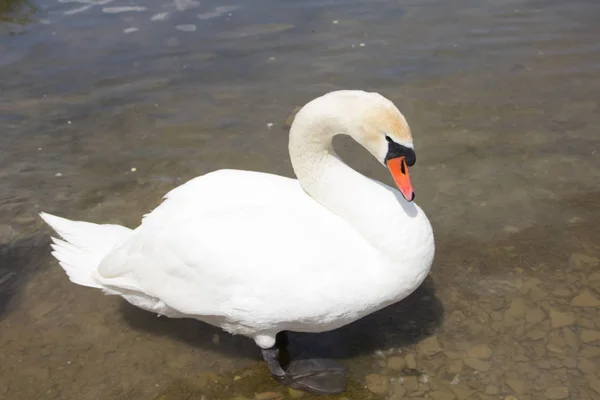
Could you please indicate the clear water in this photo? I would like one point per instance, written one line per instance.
(103, 110)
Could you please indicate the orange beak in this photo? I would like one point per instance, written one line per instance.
(399, 171)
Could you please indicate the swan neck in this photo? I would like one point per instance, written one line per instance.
(368, 206)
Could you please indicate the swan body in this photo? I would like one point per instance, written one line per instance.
(256, 253)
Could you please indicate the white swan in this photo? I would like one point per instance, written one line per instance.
(259, 254)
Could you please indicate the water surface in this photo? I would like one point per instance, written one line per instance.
(103, 109)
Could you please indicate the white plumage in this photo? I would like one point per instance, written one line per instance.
(256, 253)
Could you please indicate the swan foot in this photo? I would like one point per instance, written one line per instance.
(319, 376)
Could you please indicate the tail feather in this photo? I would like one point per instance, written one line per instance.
(84, 246)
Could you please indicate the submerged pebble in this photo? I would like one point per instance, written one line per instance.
(410, 361)
(477, 364)
(585, 299)
(377, 384)
(517, 385)
(442, 395)
(580, 261)
(594, 384)
(557, 392)
(429, 346)
(589, 336)
(560, 319)
(268, 396)
(396, 363)
(482, 351)
(295, 394)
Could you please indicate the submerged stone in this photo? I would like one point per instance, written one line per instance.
(585, 299)
(377, 384)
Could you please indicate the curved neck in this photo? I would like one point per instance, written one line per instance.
(380, 215)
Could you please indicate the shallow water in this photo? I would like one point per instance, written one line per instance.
(103, 110)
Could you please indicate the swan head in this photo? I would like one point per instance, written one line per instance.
(369, 118)
(381, 128)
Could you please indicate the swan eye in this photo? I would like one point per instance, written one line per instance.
(398, 150)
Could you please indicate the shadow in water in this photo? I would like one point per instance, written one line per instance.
(401, 324)
(19, 261)
(404, 323)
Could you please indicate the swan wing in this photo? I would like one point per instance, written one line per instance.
(239, 253)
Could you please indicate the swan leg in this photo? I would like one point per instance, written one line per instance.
(320, 376)
(271, 357)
